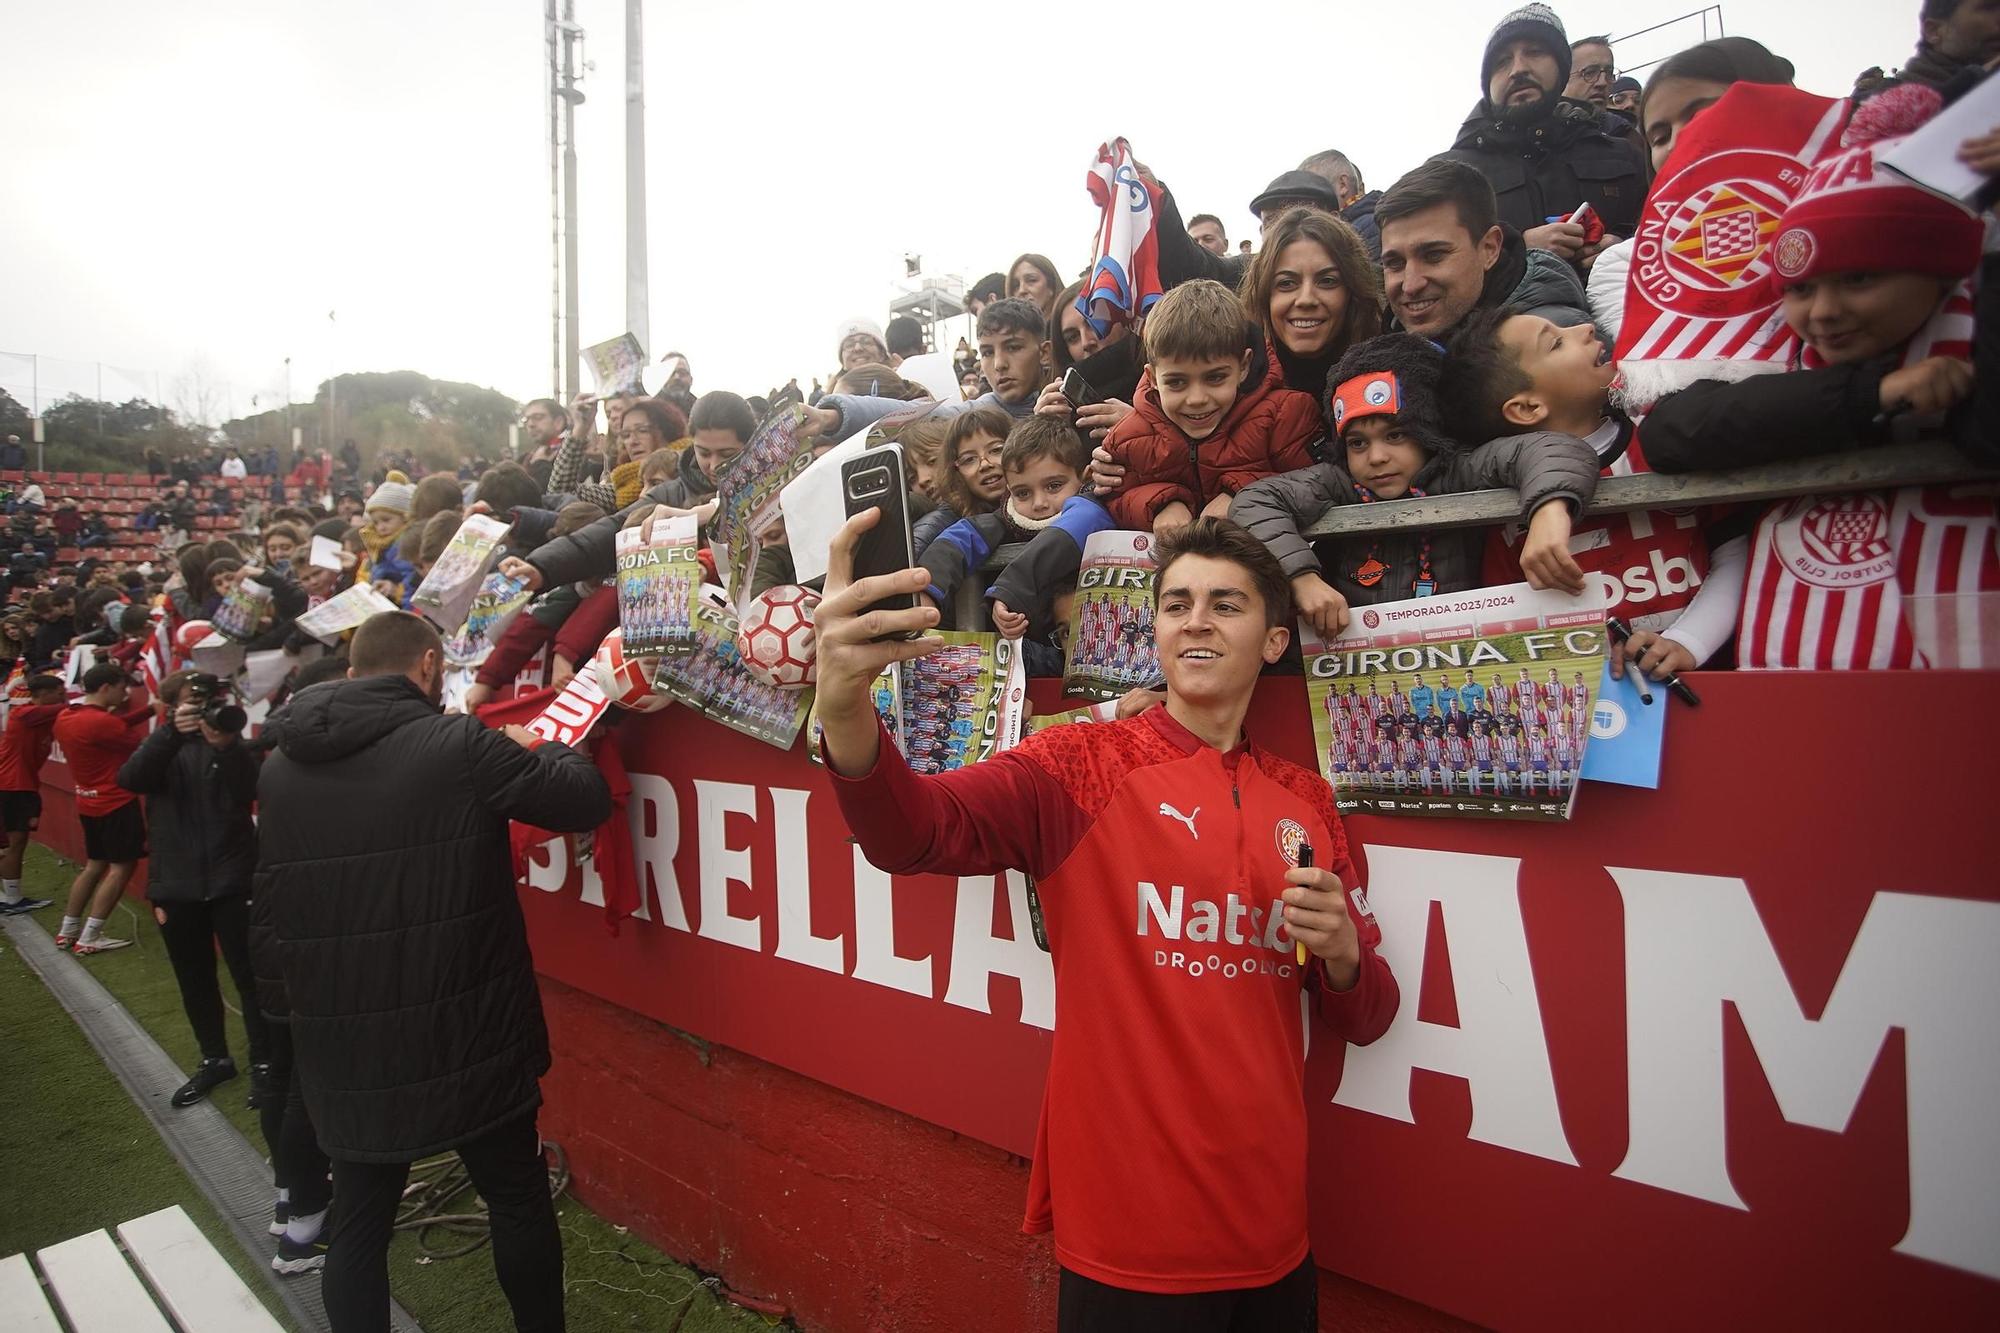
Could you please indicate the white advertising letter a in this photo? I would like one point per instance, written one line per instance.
(1694, 943)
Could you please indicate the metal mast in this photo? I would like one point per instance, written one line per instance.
(571, 35)
(637, 314)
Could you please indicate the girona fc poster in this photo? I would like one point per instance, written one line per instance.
(1475, 705)
(1110, 645)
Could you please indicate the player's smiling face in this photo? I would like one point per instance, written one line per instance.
(1213, 633)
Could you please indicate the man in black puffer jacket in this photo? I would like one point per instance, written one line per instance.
(415, 1015)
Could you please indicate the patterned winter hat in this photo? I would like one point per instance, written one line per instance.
(1856, 215)
(1534, 20)
(1395, 374)
(394, 495)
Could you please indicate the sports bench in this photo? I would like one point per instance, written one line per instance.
(160, 1275)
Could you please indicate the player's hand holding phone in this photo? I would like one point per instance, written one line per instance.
(858, 630)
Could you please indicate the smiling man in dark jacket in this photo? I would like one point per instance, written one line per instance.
(417, 1023)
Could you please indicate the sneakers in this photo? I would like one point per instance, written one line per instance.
(295, 1257)
(281, 1211)
(207, 1075)
(20, 905)
(262, 1094)
(102, 944)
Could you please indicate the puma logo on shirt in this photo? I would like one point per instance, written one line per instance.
(1172, 813)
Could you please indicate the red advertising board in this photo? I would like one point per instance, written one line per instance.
(1722, 1051)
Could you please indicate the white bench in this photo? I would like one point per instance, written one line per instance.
(182, 1284)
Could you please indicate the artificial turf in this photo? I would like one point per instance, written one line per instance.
(614, 1281)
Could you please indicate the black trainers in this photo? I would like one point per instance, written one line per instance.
(207, 1075)
(262, 1094)
(299, 1256)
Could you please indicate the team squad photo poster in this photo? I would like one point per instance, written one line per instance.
(1110, 648)
(1477, 704)
(659, 574)
(715, 683)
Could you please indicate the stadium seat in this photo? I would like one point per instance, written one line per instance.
(64, 478)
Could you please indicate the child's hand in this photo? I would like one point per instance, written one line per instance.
(1098, 420)
(1052, 403)
(1175, 515)
(1320, 605)
(1657, 656)
(1545, 556)
(1134, 702)
(1932, 386)
(1218, 507)
(1011, 624)
(1104, 475)
(562, 671)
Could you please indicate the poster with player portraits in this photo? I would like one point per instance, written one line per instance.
(616, 365)
(1110, 648)
(493, 609)
(713, 681)
(445, 596)
(659, 577)
(343, 611)
(746, 499)
(1476, 704)
(961, 704)
(242, 610)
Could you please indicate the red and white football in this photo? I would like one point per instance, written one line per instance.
(627, 680)
(191, 633)
(775, 638)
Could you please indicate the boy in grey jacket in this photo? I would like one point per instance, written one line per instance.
(1382, 410)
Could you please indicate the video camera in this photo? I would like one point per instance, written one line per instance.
(216, 699)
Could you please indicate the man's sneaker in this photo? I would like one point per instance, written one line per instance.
(299, 1256)
(281, 1211)
(262, 1093)
(102, 944)
(20, 905)
(208, 1074)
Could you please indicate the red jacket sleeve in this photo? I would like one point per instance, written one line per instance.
(1005, 813)
(595, 616)
(1295, 427)
(512, 651)
(1135, 507)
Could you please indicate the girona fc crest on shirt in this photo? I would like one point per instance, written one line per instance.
(1836, 541)
(1291, 836)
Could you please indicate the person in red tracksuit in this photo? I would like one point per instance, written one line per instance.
(96, 738)
(1170, 1159)
(24, 748)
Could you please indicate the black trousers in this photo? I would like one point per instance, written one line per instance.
(506, 1167)
(297, 1164)
(1289, 1305)
(192, 931)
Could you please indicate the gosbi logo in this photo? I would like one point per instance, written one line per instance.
(1836, 541)
(1707, 256)
(1291, 836)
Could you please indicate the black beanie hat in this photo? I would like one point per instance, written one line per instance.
(1417, 365)
(1532, 20)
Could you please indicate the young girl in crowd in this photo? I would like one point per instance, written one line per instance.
(1383, 406)
(970, 482)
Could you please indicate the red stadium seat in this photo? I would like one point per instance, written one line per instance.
(64, 478)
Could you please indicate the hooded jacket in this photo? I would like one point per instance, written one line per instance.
(386, 879)
(1268, 429)
(1549, 166)
(1541, 465)
(592, 552)
(198, 827)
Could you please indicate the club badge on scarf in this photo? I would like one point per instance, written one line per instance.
(1698, 302)
(1125, 266)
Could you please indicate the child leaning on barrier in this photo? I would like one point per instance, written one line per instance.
(1042, 467)
(1382, 403)
(1875, 277)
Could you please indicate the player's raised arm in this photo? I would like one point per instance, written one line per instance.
(848, 632)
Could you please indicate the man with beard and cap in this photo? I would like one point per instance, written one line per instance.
(1545, 154)
(387, 879)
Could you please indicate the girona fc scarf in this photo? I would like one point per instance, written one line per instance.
(611, 844)
(1125, 266)
(1699, 302)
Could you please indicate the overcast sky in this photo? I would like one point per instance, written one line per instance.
(193, 187)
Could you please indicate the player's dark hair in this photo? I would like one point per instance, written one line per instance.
(43, 683)
(104, 673)
(1220, 539)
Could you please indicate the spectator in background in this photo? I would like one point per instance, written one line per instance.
(1623, 99)
(1357, 202)
(1543, 154)
(67, 520)
(156, 466)
(860, 343)
(13, 455)
(544, 422)
(991, 288)
(905, 339)
(1243, 248)
(232, 467)
(1592, 69)
(1206, 228)
(1954, 37)
(679, 388)
(1034, 279)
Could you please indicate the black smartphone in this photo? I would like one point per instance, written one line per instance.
(874, 479)
(1077, 389)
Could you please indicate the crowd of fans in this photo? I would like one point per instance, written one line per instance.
(1451, 332)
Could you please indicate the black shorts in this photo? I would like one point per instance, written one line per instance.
(20, 811)
(118, 837)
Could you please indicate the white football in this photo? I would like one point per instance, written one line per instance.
(627, 681)
(775, 638)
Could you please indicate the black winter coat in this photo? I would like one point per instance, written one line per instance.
(388, 882)
(1360, 215)
(1543, 168)
(198, 825)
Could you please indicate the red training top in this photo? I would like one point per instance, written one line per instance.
(96, 741)
(24, 747)
(1171, 1153)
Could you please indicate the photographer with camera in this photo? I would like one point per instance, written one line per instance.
(200, 782)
